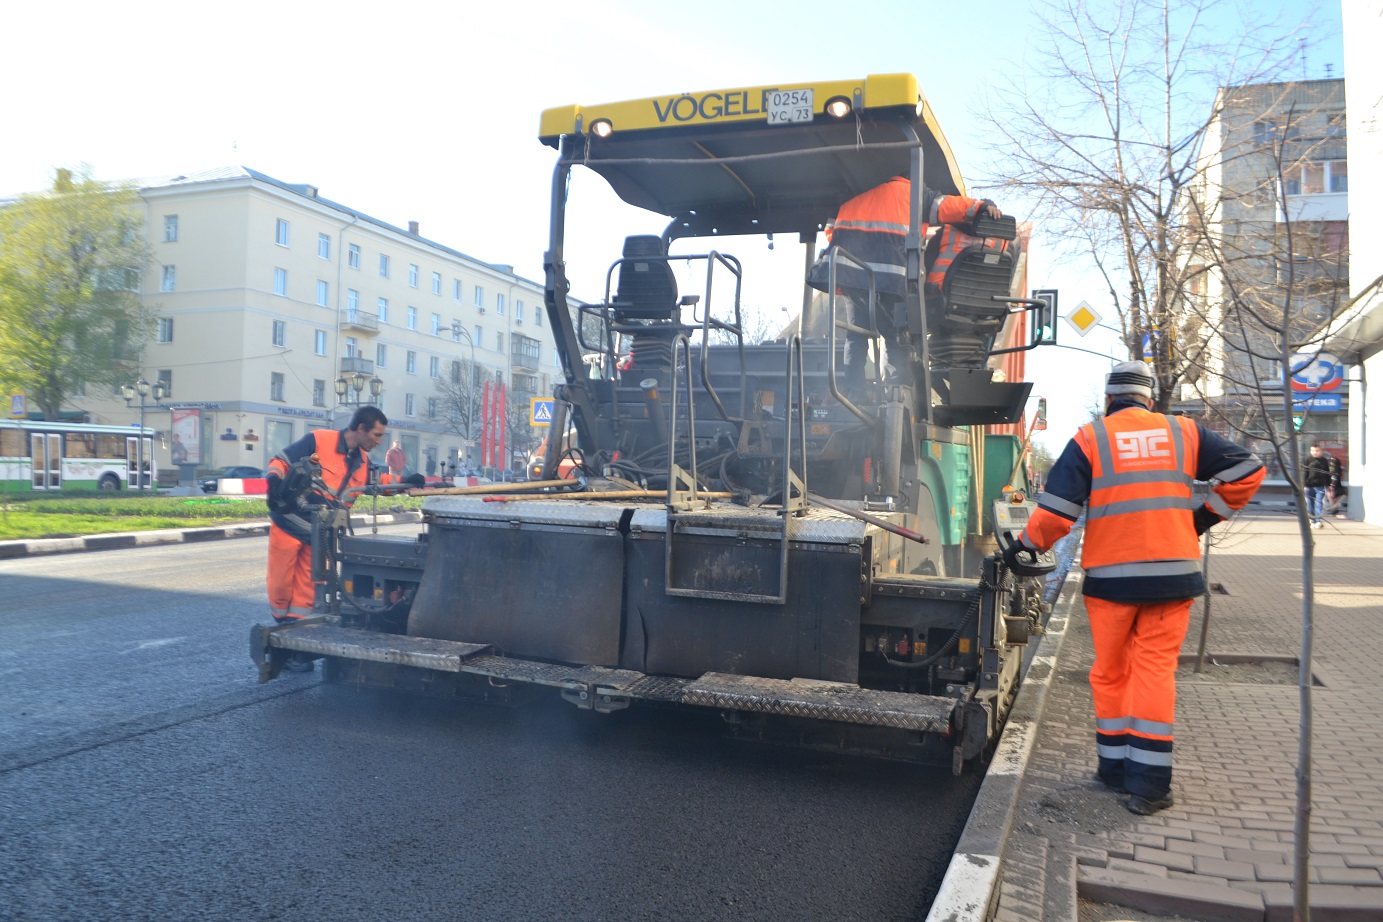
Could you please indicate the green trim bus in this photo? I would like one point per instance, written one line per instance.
(37, 455)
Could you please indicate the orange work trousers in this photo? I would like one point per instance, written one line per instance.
(291, 591)
(1134, 686)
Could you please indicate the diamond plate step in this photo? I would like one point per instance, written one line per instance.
(350, 643)
(819, 700)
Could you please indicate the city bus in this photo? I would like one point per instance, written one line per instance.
(39, 455)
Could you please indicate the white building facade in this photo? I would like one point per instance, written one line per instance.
(267, 295)
(1357, 336)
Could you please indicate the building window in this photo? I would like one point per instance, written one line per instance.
(352, 347)
(382, 307)
(319, 392)
(499, 305)
(1339, 176)
(455, 372)
(319, 342)
(456, 289)
(1334, 128)
(324, 246)
(276, 386)
(353, 256)
(165, 329)
(436, 283)
(537, 315)
(408, 404)
(280, 332)
(170, 279)
(281, 232)
(1316, 177)
(281, 281)
(412, 318)
(412, 275)
(518, 312)
(170, 228)
(499, 341)
(383, 266)
(456, 331)
(352, 300)
(410, 363)
(323, 291)
(479, 337)
(479, 296)
(432, 408)
(434, 367)
(381, 355)
(436, 324)
(165, 377)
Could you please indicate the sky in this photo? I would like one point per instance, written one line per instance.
(428, 112)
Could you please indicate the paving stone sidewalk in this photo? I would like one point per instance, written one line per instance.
(1224, 851)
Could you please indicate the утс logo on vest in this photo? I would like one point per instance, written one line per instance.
(1143, 445)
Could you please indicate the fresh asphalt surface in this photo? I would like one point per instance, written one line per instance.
(145, 775)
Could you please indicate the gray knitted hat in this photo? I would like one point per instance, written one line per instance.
(1130, 378)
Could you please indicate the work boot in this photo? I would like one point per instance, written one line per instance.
(299, 662)
(1147, 806)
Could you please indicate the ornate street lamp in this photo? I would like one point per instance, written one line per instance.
(141, 388)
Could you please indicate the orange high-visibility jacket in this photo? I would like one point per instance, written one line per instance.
(1135, 469)
(341, 469)
(872, 227)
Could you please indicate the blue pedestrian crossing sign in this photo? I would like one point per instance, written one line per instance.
(540, 411)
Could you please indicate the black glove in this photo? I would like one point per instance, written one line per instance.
(1204, 519)
(1011, 555)
(285, 491)
(415, 480)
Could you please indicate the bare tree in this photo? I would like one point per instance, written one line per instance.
(1104, 140)
(1124, 153)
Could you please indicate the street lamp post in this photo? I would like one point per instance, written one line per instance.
(457, 332)
(142, 389)
(356, 383)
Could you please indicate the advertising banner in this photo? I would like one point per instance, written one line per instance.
(186, 446)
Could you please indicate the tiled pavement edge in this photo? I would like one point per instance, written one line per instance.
(1224, 851)
(36, 546)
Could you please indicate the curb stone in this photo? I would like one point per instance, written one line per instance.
(34, 547)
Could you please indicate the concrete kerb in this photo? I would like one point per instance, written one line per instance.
(104, 542)
(971, 883)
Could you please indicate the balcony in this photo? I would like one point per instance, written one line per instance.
(352, 364)
(524, 353)
(359, 320)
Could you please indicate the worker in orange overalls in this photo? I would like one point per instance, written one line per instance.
(873, 227)
(344, 459)
(1134, 468)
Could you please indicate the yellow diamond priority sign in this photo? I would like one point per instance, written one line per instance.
(1083, 318)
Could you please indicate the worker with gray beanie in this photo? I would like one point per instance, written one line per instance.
(1131, 472)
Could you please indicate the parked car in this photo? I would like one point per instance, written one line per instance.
(234, 472)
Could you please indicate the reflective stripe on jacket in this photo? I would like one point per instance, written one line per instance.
(1134, 469)
(873, 226)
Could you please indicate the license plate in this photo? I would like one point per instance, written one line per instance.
(786, 107)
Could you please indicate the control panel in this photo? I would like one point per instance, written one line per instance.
(1010, 519)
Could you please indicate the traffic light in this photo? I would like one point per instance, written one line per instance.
(1297, 420)
(1044, 317)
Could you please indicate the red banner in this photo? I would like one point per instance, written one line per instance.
(485, 431)
(501, 459)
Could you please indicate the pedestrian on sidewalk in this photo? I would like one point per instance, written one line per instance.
(395, 460)
(1316, 477)
(1141, 556)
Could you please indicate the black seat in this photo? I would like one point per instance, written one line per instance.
(647, 288)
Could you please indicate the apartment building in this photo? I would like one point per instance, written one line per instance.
(1272, 224)
(278, 311)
